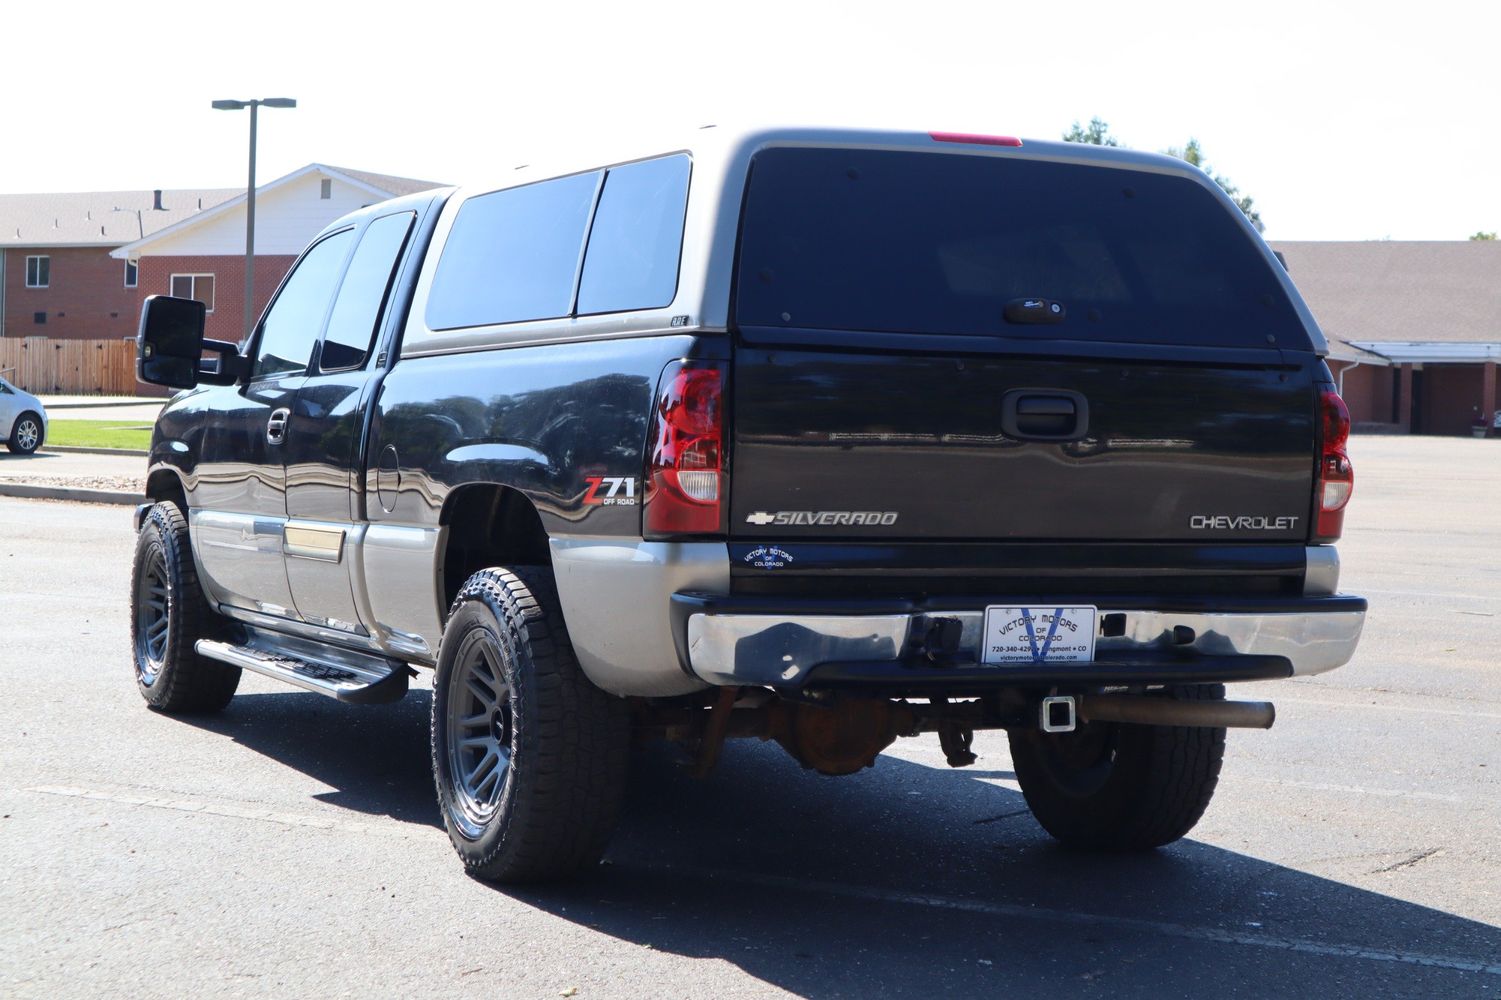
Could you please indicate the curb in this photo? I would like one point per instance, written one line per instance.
(80, 450)
(66, 493)
(131, 401)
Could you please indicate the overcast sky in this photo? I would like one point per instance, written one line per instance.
(1341, 120)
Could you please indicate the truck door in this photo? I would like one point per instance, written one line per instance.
(323, 446)
(239, 508)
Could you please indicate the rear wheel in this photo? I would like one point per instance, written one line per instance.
(1117, 787)
(529, 757)
(169, 614)
(25, 434)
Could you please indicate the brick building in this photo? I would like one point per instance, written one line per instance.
(57, 278)
(203, 256)
(1414, 328)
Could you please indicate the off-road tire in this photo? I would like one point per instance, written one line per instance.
(1117, 787)
(176, 680)
(33, 421)
(557, 801)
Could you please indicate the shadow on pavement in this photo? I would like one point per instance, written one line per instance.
(375, 756)
(907, 878)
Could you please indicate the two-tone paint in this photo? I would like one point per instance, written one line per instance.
(338, 532)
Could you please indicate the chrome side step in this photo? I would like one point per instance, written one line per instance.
(356, 678)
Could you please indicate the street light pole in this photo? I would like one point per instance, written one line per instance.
(250, 230)
(254, 106)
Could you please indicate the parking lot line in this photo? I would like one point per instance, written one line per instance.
(1214, 935)
(1016, 911)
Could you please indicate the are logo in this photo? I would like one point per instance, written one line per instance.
(611, 491)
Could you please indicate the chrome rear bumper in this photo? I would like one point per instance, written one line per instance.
(726, 646)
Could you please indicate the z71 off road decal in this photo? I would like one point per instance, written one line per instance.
(611, 491)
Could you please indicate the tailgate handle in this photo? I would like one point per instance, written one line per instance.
(1045, 414)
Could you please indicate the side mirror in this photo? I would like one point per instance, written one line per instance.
(170, 346)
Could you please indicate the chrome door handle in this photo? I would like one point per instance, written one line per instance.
(276, 425)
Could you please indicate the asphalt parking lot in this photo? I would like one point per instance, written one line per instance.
(291, 846)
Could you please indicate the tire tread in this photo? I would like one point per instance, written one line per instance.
(188, 683)
(571, 746)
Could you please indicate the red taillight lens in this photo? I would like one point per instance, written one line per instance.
(685, 484)
(1336, 475)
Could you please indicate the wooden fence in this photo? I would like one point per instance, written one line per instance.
(71, 367)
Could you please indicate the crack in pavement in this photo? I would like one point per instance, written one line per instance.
(995, 819)
(1408, 862)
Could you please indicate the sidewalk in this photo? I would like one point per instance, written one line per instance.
(72, 476)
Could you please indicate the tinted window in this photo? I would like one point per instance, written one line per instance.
(513, 255)
(931, 243)
(351, 326)
(296, 318)
(637, 237)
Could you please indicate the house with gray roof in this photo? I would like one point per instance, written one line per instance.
(203, 257)
(1414, 328)
(77, 266)
(56, 276)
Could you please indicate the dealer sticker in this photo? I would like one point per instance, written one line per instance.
(1039, 635)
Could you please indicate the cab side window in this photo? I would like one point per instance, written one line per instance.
(295, 320)
(362, 295)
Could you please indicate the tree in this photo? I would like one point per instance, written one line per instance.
(1483, 235)
(1097, 133)
(1193, 153)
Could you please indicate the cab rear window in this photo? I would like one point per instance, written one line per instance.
(910, 242)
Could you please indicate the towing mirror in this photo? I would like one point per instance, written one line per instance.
(170, 346)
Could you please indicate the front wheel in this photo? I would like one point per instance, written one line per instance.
(168, 615)
(529, 757)
(25, 434)
(1117, 787)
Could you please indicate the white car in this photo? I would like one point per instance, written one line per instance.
(23, 419)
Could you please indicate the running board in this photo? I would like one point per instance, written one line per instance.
(356, 678)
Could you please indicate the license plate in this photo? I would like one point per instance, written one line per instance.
(1039, 635)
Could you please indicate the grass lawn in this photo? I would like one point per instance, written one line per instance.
(99, 434)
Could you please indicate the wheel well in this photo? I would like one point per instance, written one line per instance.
(489, 525)
(164, 485)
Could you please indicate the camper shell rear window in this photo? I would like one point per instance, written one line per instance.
(939, 243)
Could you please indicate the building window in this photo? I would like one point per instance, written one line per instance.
(325, 189)
(132, 273)
(194, 286)
(38, 272)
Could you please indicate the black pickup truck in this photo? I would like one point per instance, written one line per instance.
(816, 436)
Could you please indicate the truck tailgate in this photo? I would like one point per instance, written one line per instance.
(878, 445)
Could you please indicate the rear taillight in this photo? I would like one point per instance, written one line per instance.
(685, 481)
(1336, 477)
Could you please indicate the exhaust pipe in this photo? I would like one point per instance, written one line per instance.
(1144, 711)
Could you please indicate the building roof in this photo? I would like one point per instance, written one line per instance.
(393, 186)
(98, 218)
(1387, 292)
(382, 185)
